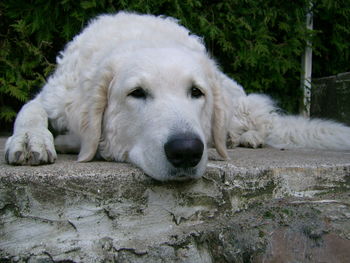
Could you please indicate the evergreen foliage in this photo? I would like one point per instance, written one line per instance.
(258, 43)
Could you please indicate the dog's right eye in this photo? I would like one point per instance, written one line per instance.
(138, 93)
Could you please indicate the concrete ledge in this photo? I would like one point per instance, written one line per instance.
(263, 205)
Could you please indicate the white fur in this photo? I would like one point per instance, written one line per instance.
(88, 100)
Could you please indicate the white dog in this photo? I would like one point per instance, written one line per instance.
(142, 89)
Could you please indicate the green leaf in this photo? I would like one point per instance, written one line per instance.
(88, 4)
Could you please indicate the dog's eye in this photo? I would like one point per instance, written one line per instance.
(138, 93)
(196, 92)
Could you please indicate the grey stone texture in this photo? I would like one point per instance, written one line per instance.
(263, 205)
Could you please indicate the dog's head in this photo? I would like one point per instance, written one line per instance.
(158, 109)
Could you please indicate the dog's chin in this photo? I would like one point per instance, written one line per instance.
(162, 170)
(179, 174)
(183, 174)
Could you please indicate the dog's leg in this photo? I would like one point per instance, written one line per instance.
(252, 139)
(249, 121)
(31, 142)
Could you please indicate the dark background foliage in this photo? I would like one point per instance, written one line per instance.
(257, 42)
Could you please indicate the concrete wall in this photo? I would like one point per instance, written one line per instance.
(263, 205)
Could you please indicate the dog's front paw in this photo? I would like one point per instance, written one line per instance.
(252, 139)
(33, 147)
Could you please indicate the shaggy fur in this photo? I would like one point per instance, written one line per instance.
(128, 83)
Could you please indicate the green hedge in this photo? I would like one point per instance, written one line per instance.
(257, 42)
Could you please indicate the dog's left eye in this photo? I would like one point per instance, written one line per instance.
(196, 93)
(138, 93)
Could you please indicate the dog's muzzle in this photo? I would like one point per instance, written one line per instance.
(184, 150)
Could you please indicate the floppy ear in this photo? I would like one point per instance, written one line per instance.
(218, 126)
(219, 130)
(94, 104)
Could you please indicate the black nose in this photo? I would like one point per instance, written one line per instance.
(184, 150)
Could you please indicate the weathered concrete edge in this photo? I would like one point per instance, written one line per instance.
(57, 199)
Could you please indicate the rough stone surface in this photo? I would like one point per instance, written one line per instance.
(263, 205)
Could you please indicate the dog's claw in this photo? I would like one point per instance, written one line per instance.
(7, 156)
(34, 158)
(18, 156)
(50, 157)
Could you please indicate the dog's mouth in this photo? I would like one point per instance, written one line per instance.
(183, 174)
(182, 157)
